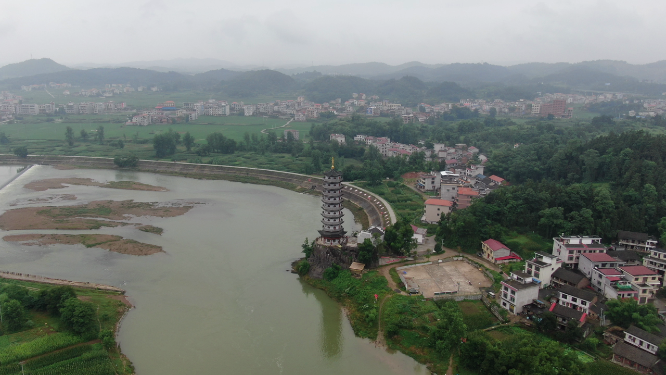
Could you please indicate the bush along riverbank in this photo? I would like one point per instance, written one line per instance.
(356, 295)
(55, 330)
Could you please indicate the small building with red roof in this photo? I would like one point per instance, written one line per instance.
(434, 208)
(498, 253)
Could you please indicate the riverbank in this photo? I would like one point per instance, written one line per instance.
(379, 213)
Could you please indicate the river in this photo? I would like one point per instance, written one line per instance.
(219, 300)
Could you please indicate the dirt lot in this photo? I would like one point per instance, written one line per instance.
(93, 215)
(446, 277)
(103, 241)
(60, 183)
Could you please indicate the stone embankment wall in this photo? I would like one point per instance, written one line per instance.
(379, 214)
(47, 280)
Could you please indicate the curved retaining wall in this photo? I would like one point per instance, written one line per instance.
(379, 212)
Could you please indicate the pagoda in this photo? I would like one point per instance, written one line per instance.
(332, 232)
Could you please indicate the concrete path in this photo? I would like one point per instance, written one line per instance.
(288, 122)
(385, 203)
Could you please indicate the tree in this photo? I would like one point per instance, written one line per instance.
(100, 135)
(21, 152)
(108, 339)
(126, 161)
(367, 253)
(52, 300)
(69, 136)
(4, 140)
(79, 317)
(188, 141)
(627, 311)
(13, 315)
(492, 112)
(308, 248)
(164, 145)
(84, 135)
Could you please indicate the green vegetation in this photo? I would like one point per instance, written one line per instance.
(627, 312)
(50, 336)
(406, 202)
(357, 295)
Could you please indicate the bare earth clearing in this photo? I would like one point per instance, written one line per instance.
(60, 183)
(93, 215)
(109, 242)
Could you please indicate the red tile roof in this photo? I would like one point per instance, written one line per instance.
(512, 256)
(599, 257)
(496, 178)
(638, 270)
(467, 191)
(439, 202)
(495, 245)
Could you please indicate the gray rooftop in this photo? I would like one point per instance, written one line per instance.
(567, 312)
(568, 276)
(634, 354)
(644, 335)
(586, 295)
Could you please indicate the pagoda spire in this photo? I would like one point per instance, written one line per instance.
(332, 232)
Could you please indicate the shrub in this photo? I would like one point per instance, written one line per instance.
(126, 161)
(303, 267)
(332, 272)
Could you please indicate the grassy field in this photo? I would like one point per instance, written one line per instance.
(44, 347)
(476, 315)
(406, 202)
(143, 99)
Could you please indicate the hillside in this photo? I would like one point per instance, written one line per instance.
(257, 82)
(101, 76)
(30, 68)
(329, 88)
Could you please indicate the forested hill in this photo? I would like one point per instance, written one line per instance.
(609, 183)
(31, 68)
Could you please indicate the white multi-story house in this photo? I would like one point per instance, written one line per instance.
(516, 292)
(588, 262)
(644, 279)
(612, 284)
(656, 260)
(542, 266)
(28, 109)
(577, 299)
(429, 181)
(569, 248)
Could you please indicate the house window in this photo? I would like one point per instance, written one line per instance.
(583, 303)
(574, 299)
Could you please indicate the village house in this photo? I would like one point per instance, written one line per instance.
(588, 262)
(565, 314)
(465, 196)
(542, 267)
(448, 186)
(569, 248)
(340, 138)
(498, 253)
(612, 284)
(644, 279)
(294, 133)
(428, 181)
(434, 208)
(656, 261)
(638, 350)
(370, 234)
(577, 299)
(629, 257)
(636, 241)
(563, 276)
(517, 291)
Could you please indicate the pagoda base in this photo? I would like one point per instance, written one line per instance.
(326, 255)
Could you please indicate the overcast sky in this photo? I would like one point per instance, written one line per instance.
(274, 33)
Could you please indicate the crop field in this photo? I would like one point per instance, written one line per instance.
(47, 349)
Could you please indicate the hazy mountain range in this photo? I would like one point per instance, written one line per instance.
(410, 82)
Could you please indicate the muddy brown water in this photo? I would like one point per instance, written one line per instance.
(219, 300)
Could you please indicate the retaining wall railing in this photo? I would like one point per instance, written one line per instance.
(379, 212)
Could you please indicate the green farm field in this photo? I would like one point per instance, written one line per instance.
(36, 128)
